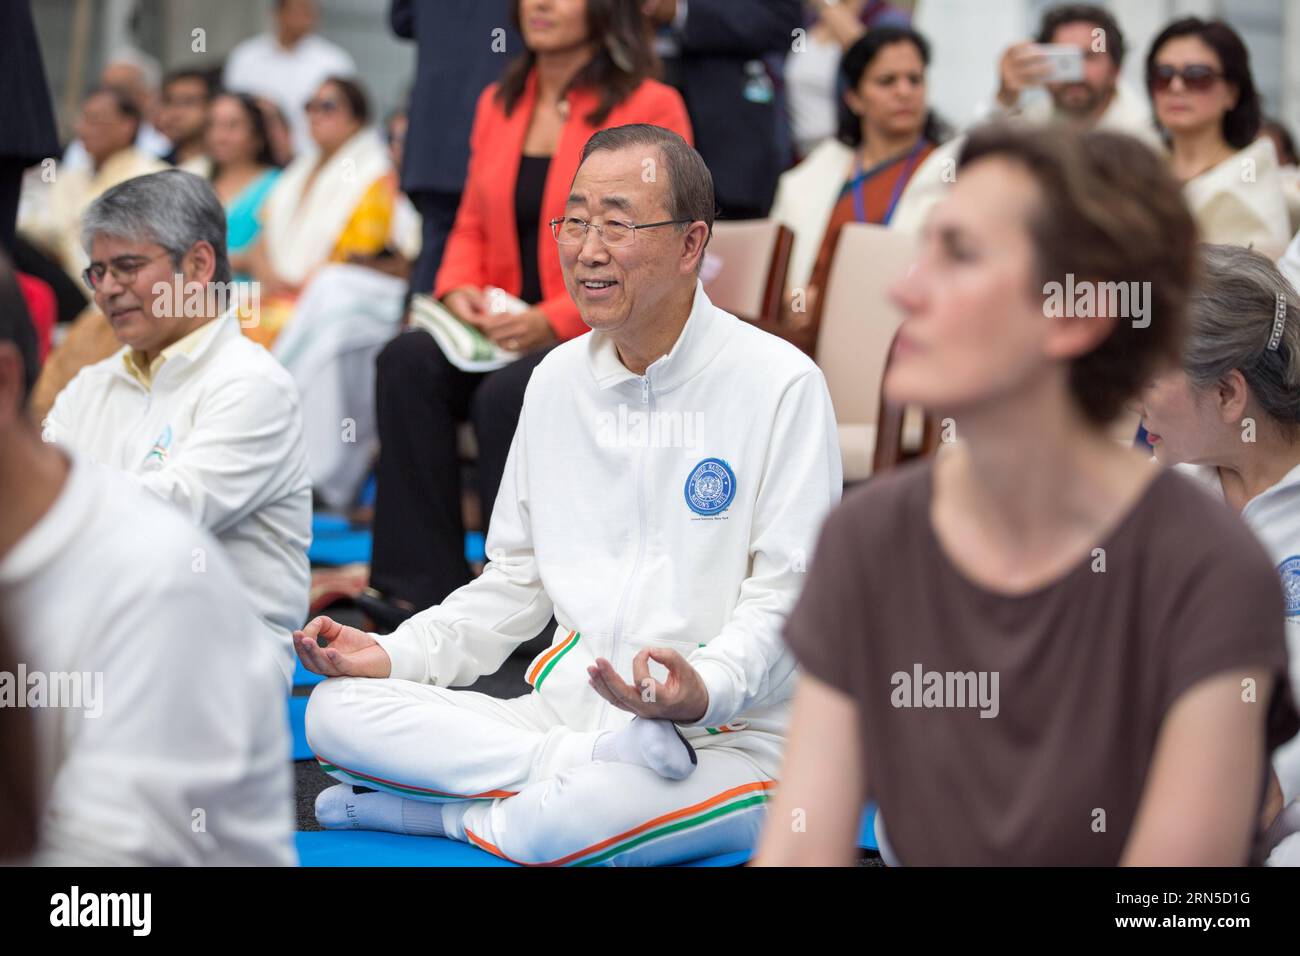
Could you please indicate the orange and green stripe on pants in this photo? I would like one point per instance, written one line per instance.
(407, 790)
(546, 663)
(705, 812)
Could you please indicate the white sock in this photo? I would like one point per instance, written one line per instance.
(656, 744)
(344, 807)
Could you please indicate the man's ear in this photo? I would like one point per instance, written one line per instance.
(200, 263)
(694, 240)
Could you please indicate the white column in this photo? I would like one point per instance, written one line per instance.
(223, 27)
(115, 29)
(1141, 22)
(1290, 105)
(967, 41)
(1205, 9)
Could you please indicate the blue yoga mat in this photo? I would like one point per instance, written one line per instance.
(334, 542)
(372, 848)
(867, 832)
(337, 548)
(474, 552)
(367, 497)
(303, 677)
(297, 726)
(324, 523)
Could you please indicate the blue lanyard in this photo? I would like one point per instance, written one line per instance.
(859, 203)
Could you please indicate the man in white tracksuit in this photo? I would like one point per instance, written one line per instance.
(667, 480)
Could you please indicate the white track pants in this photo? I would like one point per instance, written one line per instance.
(516, 782)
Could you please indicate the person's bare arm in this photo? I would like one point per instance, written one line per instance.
(842, 22)
(818, 807)
(1202, 797)
(1022, 66)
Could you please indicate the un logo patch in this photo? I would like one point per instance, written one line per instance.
(710, 487)
(1290, 572)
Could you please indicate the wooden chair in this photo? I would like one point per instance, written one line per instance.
(855, 326)
(754, 256)
(903, 432)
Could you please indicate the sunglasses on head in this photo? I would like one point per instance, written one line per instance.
(1198, 77)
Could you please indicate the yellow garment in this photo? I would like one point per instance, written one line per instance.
(182, 346)
(365, 234)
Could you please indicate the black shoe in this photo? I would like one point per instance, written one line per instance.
(385, 613)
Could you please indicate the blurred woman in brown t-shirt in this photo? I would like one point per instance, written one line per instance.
(1036, 648)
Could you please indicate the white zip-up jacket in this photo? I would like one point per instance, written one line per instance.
(1274, 516)
(219, 434)
(675, 509)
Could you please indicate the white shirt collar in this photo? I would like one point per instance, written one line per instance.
(701, 338)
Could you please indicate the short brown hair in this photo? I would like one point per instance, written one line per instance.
(1109, 210)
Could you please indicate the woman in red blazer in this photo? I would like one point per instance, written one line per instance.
(586, 66)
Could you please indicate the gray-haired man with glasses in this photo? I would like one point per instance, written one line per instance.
(194, 410)
(667, 478)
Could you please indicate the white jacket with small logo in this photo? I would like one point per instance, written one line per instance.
(675, 509)
(219, 434)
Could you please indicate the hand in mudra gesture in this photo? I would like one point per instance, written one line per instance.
(347, 651)
(681, 697)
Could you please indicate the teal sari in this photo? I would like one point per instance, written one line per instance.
(242, 224)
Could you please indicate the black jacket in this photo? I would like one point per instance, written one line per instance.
(27, 130)
(455, 60)
(734, 107)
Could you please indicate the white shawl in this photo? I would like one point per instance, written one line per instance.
(302, 230)
(1240, 201)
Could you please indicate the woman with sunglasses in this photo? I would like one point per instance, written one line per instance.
(1205, 101)
(329, 205)
(586, 66)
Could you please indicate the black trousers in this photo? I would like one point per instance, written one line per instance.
(419, 535)
(437, 216)
(11, 181)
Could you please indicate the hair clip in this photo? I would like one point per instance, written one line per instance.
(1279, 323)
